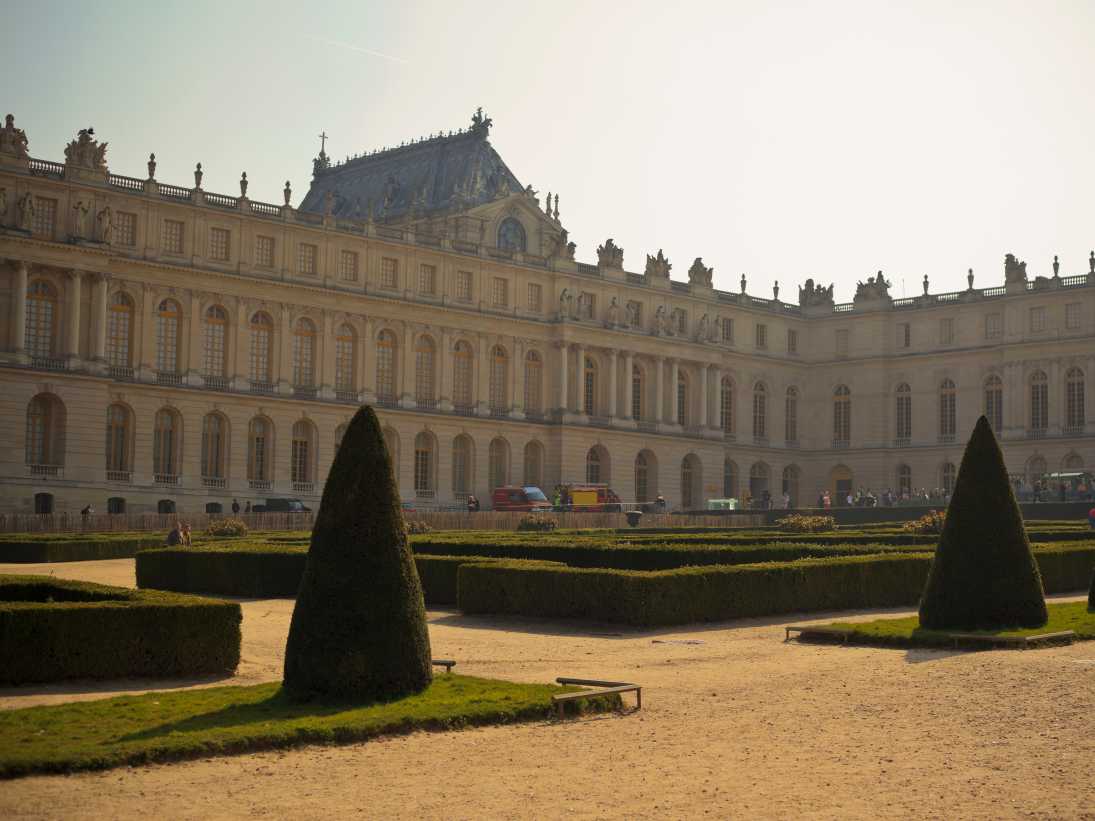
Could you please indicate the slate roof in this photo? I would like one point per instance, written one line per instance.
(456, 172)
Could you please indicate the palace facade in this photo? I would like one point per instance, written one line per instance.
(165, 345)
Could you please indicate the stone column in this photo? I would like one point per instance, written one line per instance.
(327, 354)
(613, 383)
(19, 310)
(283, 367)
(629, 369)
(239, 371)
(483, 380)
(716, 412)
(101, 301)
(368, 362)
(564, 356)
(72, 343)
(674, 377)
(580, 354)
(659, 389)
(517, 366)
(705, 400)
(193, 341)
(407, 375)
(445, 363)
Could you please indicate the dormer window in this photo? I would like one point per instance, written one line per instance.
(511, 235)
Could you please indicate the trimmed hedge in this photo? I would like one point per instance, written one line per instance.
(25, 550)
(52, 629)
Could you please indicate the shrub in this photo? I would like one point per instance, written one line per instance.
(983, 574)
(27, 548)
(359, 625)
(930, 522)
(227, 527)
(798, 523)
(412, 526)
(537, 523)
(53, 629)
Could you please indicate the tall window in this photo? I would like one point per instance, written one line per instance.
(688, 482)
(41, 332)
(726, 405)
(45, 217)
(461, 375)
(534, 463)
(306, 258)
(345, 364)
(423, 464)
(946, 331)
(903, 416)
(499, 463)
(1037, 319)
(259, 441)
(216, 327)
(165, 446)
(535, 297)
(119, 331)
(125, 229)
(842, 342)
(904, 480)
(760, 411)
(947, 410)
(167, 337)
(117, 439)
(729, 479)
(389, 273)
(642, 478)
(586, 305)
(347, 266)
(994, 402)
(424, 371)
(461, 465)
(511, 235)
(303, 453)
(173, 236)
(636, 392)
(593, 466)
(727, 327)
(214, 430)
(463, 286)
(589, 374)
(792, 341)
(1073, 315)
(790, 484)
(219, 244)
(499, 292)
(264, 252)
(994, 326)
(385, 365)
(45, 431)
(427, 279)
(762, 336)
(1039, 401)
(947, 476)
(1074, 399)
(904, 335)
(682, 398)
(499, 368)
(534, 379)
(842, 414)
(790, 415)
(262, 340)
(304, 353)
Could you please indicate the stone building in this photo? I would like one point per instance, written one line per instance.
(162, 344)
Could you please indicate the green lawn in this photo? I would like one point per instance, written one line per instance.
(907, 632)
(183, 724)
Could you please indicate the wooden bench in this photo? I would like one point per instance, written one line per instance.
(1062, 636)
(448, 664)
(816, 630)
(600, 688)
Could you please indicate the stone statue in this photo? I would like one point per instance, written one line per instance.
(812, 295)
(658, 266)
(13, 141)
(1014, 270)
(614, 313)
(634, 313)
(566, 304)
(547, 208)
(79, 219)
(86, 152)
(663, 325)
(243, 184)
(391, 191)
(877, 287)
(699, 274)
(530, 191)
(775, 291)
(555, 213)
(152, 166)
(479, 123)
(287, 192)
(610, 255)
(198, 174)
(925, 284)
(743, 284)
(1056, 267)
(703, 328)
(969, 279)
(26, 212)
(105, 219)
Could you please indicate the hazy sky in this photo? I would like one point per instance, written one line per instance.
(782, 140)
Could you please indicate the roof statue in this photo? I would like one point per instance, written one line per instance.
(1014, 270)
(658, 266)
(86, 152)
(13, 141)
(875, 287)
(811, 295)
(610, 255)
(480, 124)
(699, 274)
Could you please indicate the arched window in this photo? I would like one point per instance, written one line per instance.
(165, 445)
(1073, 461)
(589, 398)
(262, 341)
(760, 411)
(304, 353)
(119, 431)
(534, 378)
(947, 476)
(994, 402)
(1036, 469)
(594, 464)
(215, 362)
(729, 479)
(119, 331)
(726, 406)
(423, 465)
(499, 380)
(790, 417)
(302, 463)
(391, 442)
(214, 447)
(462, 452)
(903, 413)
(41, 332)
(904, 481)
(1039, 401)
(682, 398)
(424, 374)
(758, 480)
(499, 463)
(643, 468)
(167, 337)
(691, 483)
(385, 366)
(534, 464)
(511, 235)
(260, 437)
(345, 362)
(1074, 400)
(462, 377)
(947, 410)
(842, 415)
(636, 393)
(790, 485)
(45, 431)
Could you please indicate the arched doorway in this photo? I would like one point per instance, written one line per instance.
(840, 482)
(691, 483)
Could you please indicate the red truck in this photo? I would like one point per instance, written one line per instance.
(515, 497)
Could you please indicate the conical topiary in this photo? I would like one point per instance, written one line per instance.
(359, 626)
(983, 575)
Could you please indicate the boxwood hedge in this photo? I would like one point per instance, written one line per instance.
(53, 629)
(25, 549)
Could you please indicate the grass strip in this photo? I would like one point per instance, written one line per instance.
(186, 724)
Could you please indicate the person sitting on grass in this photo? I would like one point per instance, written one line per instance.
(174, 538)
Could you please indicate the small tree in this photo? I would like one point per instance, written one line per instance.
(359, 626)
(983, 574)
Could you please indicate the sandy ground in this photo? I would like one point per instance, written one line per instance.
(739, 724)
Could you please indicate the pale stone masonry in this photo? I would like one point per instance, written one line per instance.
(164, 343)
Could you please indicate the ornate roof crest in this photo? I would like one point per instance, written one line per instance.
(13, 141)
(86, 152)
(610, 255)
(658, 266)
(699, 274)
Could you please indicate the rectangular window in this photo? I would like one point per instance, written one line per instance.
(762, 336)
(219, 241)
(463, 286)
(125, 229)
(45, 217)
(946, 331)
(842, 342)
(792, 341)
(499, 292)
(994, 326)
(535, 297)
(728, 330)
(904, 335)
(306, 259)
(1037, 320)
(587, 305)
(1072, 316)
(347, 266)
(264, 252)
(680, 321)
(173, 236)
(635, 314)
(389, 273)
(427, 280)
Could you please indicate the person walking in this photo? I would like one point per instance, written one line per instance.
(473, 503)
(247, 507)
(235, 507)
